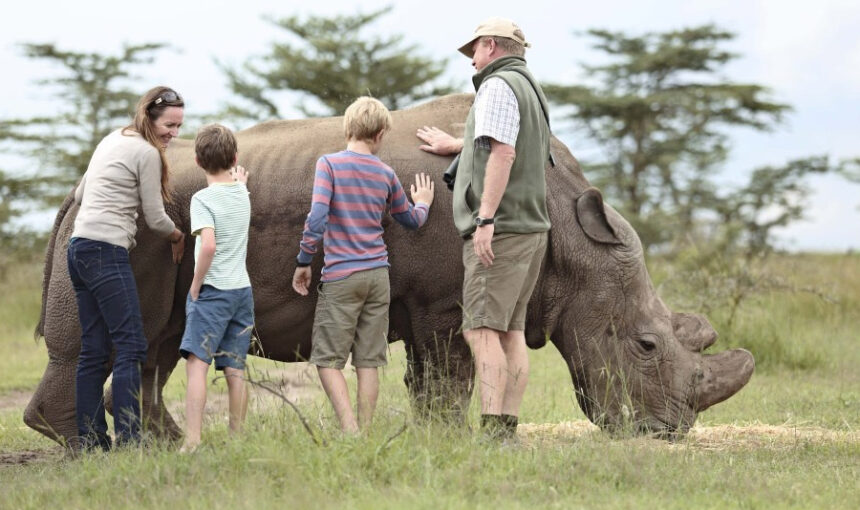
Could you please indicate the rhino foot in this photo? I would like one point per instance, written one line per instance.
(51, 411)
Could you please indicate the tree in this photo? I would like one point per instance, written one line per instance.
(97, 94)
(773, 197)
(16, 242)
(659, 112)
(850, 169)
(335, 64)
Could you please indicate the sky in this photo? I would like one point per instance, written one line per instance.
(807, 53)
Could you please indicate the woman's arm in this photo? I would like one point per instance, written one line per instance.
(149, 184)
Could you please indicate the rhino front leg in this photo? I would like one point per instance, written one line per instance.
(162, 357)
(156, 417)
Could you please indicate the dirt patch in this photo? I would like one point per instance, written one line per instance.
(718, 437)
(15, 400)
(297, 382)
(17, 459)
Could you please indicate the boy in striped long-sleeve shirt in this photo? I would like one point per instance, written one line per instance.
(352, 190)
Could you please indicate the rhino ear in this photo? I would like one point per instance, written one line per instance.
(592, 218)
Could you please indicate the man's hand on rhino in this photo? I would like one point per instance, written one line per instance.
(302, 280)
(422, 190)
(439, 142)
(482, 240)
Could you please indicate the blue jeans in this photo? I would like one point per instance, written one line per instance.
(218, 326)
(109, 310)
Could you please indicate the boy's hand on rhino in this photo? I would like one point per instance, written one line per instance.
(239, 174)
(422, 190)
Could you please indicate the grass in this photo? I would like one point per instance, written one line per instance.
(788, 440)
(275, 464)
(24, 358)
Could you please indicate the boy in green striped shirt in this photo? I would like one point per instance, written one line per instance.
(219, 309)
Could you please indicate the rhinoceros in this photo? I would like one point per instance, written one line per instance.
(632, 360)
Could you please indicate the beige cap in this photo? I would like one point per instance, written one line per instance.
(499, 27)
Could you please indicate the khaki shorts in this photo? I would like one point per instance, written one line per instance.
(496, 297)
(352, 316)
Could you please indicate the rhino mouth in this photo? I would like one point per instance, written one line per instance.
(647, 426)
(669, 423)
(657, 429)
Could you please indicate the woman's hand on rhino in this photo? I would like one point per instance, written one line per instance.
(177, 246)
(439, 142)
(239, 174)
(422, 190)
(302, 280)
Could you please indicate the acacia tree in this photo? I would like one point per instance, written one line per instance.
(332, 62)
(659, 112)
(17, 241)
(850, 169)
(96, 94)
(773, 197)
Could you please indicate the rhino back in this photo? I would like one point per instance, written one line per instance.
(280, 157)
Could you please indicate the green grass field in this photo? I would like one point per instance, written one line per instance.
(788, 440)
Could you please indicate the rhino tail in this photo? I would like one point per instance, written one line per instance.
(49, 261)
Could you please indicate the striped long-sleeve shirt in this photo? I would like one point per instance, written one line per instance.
(351, 193)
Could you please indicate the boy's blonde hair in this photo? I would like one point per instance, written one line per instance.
(365, 118)
(215, 147)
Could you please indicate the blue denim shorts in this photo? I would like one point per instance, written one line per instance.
(219, 325)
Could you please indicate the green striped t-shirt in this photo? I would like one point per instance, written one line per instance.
(226, 208)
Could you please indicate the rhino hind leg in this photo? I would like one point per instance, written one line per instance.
(51, 410)
(439, 372)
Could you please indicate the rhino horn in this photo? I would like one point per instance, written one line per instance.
(592, 218)
(693, 331)
(721, 376)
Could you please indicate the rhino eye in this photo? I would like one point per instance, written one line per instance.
(646, 344)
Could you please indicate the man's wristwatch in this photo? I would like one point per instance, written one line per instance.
(480, 222)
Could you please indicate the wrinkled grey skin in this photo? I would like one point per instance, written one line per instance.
(632, 361)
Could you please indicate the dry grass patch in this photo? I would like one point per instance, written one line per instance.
(718, 437)
(755, 436)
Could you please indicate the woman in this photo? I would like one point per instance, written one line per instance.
(128, 171)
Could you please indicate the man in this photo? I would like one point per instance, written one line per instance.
(500, 209)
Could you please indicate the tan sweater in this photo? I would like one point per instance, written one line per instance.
(124, 174)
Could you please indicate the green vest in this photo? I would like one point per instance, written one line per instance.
(522, 209)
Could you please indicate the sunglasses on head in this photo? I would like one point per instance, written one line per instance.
(166, 97)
